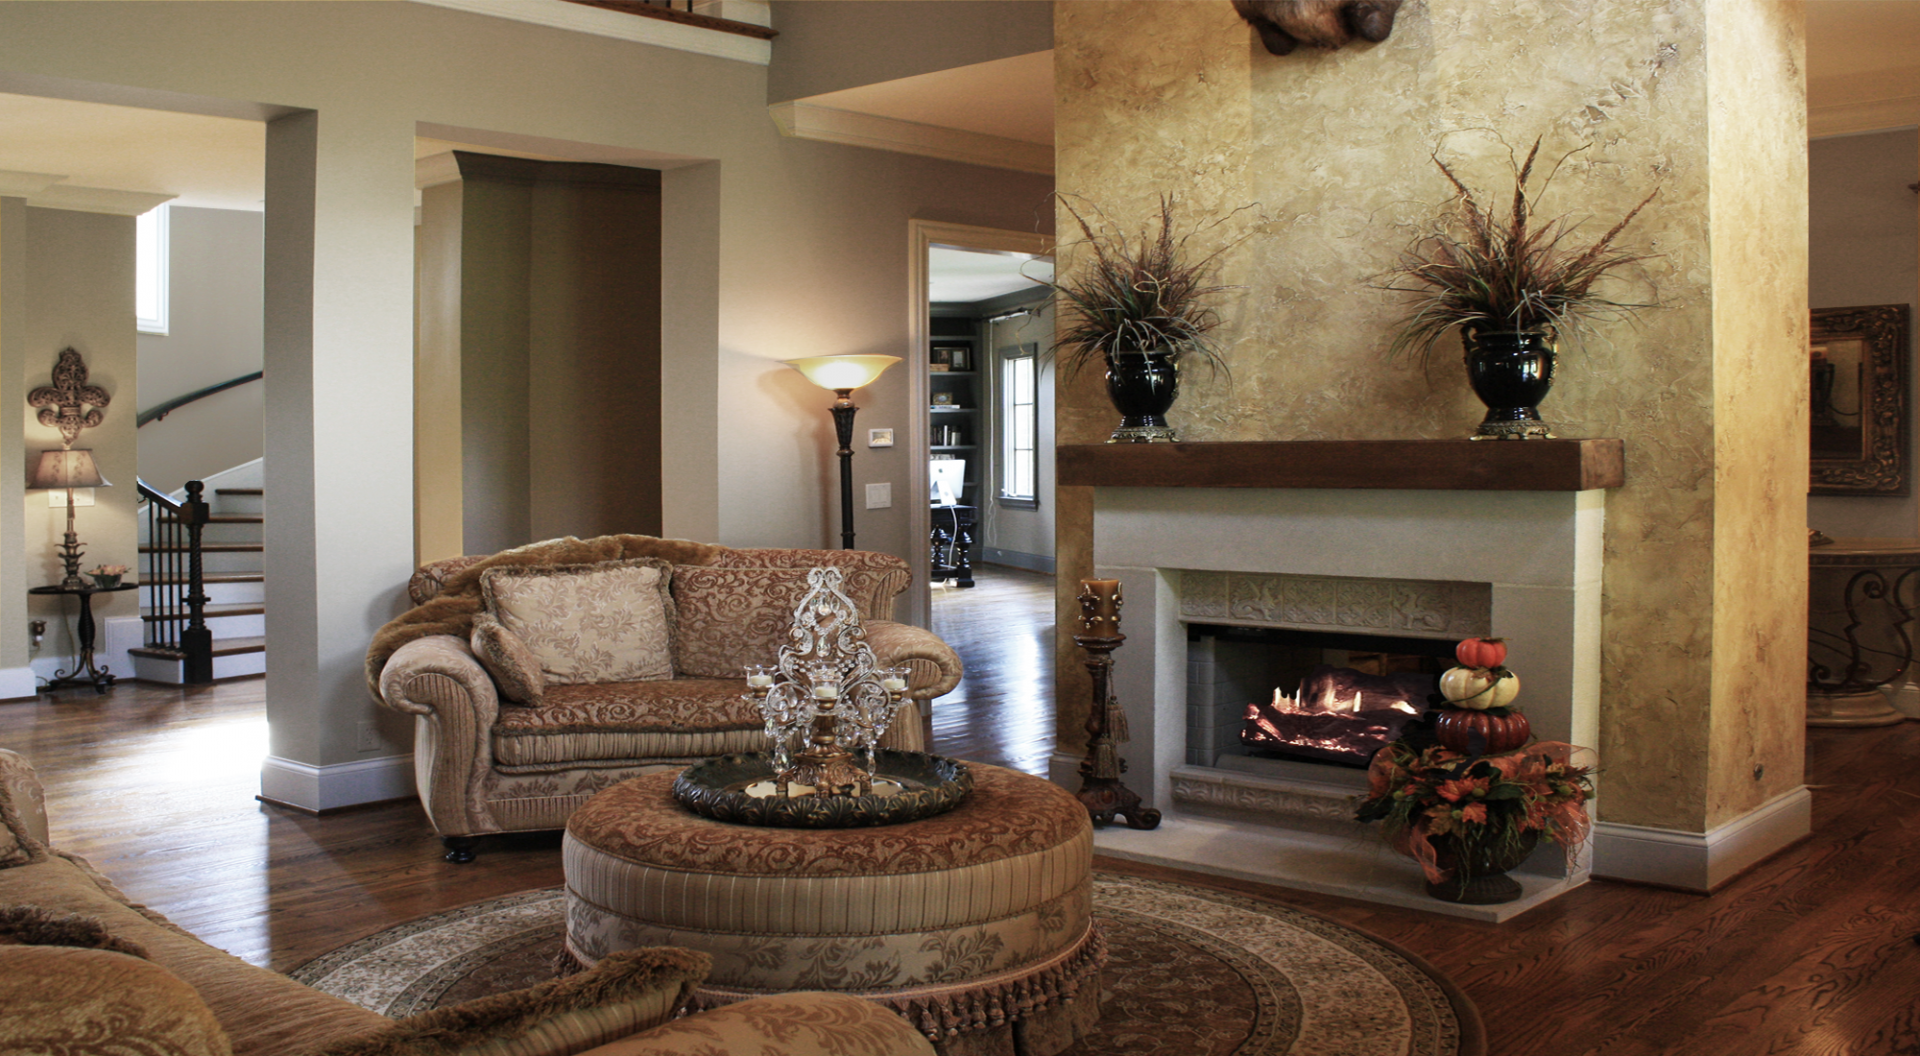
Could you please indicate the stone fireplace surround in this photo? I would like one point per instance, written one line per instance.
(1397, 538)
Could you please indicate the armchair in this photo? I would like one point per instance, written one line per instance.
(486, 762)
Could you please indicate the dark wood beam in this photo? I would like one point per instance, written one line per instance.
(1443, 465)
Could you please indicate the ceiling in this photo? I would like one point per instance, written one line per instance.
(964, 276)
(1860, 54)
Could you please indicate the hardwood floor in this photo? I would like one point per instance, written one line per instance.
(1812, 952)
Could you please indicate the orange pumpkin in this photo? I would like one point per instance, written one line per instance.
(1481, 652)
(1481, 732)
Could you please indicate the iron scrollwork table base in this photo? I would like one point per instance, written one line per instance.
(84, 672)
(1862, 597)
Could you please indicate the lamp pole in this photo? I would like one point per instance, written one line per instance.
(843, 409)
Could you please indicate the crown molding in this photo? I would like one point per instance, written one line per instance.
(803, 120)
(98, 200)
(1867, 115)
(600, 22)
(25, 184)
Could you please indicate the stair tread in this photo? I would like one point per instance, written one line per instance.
(239, 491)
(221, 647)
(208, 577)
(221, 518)
(207, 548)
(238, 608)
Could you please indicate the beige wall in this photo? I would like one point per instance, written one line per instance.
(1705, 605)
(827, 45)
(79, 294)
(214, 335)
(14, 578)
(776, 248)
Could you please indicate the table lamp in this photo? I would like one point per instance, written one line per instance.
(843, 374)
(69, 469)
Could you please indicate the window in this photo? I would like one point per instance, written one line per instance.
(1020, 422)
(150, 270)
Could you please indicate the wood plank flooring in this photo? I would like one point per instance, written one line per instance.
(1812, 952)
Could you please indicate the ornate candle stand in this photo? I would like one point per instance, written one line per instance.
(1101, 790)
(826, 703)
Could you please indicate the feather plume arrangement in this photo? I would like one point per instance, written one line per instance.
(1505, 271)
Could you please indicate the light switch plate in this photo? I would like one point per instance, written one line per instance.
(879, 496)
(879, 438)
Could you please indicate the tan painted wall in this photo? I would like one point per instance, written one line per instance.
(437, 478)
(1333, 150)
(14, 579)
(79, 293)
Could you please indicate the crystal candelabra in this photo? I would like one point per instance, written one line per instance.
(827, 701)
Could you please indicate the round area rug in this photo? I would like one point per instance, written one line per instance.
(1193, 972)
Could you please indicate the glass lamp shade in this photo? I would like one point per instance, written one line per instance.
(842, 372)
(67, 469)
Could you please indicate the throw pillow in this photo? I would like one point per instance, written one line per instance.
(63, 999)
(38, 926)
(627, 992)
(508, 660)
(607, 622)
(729, 618)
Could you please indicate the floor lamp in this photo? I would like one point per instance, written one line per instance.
(843, 374)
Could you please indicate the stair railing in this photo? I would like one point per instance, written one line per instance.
(175, 582)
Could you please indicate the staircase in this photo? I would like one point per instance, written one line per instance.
(233, 560)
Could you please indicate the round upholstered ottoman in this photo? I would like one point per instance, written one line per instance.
(977, 924)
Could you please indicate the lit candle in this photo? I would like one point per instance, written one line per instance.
(894, 684)
(1100, 603)
(759, 679)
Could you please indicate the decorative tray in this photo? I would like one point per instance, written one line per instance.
(907, 786)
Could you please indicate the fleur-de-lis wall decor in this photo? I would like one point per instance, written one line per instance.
(63, 404)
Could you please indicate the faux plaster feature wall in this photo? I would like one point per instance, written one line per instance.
(1332, 152)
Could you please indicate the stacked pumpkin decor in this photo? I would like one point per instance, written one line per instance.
(1479, 717)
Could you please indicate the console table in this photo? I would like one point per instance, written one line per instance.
(97, 677)
(1862, 597)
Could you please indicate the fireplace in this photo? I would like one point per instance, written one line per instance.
(1434, 564)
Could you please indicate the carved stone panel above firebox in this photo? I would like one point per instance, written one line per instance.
(1412, 608)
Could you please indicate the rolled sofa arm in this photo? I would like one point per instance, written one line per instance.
(437, 680)
(22, 796)
(934, 668)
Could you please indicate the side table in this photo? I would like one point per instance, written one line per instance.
(1862, 597)
(97, 677)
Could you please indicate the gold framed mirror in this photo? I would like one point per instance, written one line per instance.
(1858, 374)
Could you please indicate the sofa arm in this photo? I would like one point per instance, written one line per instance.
(627, 992)
(437, 679)
(22, 797)
(801, 1024)
(933, 665)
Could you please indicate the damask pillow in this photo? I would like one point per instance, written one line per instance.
(58, 999)
(38, 926)
(508, 660)
(606, 622)
(728, 618)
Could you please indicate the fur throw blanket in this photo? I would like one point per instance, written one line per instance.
(453, 611)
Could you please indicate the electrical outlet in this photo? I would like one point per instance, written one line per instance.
(369, 737)
(879, 496)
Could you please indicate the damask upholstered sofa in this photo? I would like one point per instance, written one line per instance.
(526, 707)
(85, 970)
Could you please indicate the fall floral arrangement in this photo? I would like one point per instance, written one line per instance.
(1499, 803)
(109, 570)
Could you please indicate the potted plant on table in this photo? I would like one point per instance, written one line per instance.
(106, 577)
(1141, 306)
(1513, 287)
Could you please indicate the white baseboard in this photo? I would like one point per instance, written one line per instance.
(1701, 861)
(17, 683)
(319, 788)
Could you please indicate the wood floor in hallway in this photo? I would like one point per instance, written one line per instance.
(1811, 953)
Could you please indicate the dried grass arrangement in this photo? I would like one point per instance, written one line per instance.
(1149, 292)
(1507, 274)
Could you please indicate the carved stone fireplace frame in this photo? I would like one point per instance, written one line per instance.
(1387, 551)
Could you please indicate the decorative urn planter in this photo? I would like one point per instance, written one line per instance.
(1142, 386)
(1511, 373)
(1479, 868)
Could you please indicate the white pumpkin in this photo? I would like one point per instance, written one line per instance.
(1478, 688)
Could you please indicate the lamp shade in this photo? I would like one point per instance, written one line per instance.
(842, 372)
(67, 469)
